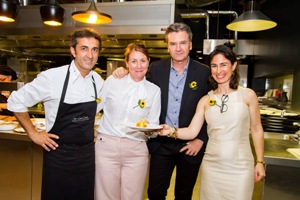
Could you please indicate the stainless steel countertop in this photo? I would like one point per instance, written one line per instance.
(12, 135)
(275, 147)
(276, 152)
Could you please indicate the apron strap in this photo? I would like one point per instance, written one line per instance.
(63, 94)
(94, 87)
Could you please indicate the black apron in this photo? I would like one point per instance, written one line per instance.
(69, 171)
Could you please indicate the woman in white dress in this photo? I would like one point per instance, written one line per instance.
(231, 113)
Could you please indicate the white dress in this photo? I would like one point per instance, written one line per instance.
(228, 163)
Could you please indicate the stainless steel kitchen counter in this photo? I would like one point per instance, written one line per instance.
(20, 166)
(282, 168)
(12, 135)
(276, 150)
(17, 149)
(275, 147)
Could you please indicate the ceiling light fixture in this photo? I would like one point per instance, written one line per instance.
(8, 11)
(52, 13)
(91, 15)
(251, 19)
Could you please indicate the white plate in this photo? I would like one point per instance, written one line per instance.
(8, 126)
(285, 114)
(19, 130)
(150, 127)
(266, 112)
(39, 123)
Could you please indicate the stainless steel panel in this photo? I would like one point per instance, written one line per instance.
(241, 47)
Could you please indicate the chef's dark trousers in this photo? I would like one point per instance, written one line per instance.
(161, 168)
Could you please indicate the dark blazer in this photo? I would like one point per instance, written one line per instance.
(159, 73)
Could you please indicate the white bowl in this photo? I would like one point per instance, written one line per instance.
(8, 126)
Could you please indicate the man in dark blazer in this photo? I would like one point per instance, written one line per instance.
(183, 82)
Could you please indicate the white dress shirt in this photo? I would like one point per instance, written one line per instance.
(47, 88)
(120, 99)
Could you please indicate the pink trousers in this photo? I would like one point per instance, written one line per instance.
(121, 167)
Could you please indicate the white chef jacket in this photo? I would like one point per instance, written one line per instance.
(120, 106)
(47, 87)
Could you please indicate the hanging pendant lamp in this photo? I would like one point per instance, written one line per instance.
(91, 15)
(52, 13)
(251, 19)
(8, 11)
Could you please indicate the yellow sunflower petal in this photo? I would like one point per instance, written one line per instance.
(211, 102)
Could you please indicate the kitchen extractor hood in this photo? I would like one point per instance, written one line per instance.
(35, 46)
(134, 17)
(134, 21)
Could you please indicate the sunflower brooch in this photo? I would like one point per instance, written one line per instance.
(212, 102)
(141, 104)
(223, 106)
(98, 100)
(193, 85)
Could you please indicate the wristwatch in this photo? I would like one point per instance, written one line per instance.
(174, 133)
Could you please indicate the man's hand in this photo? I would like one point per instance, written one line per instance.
(44, 139)
(120, 72)
(41, 138)
(193, 147)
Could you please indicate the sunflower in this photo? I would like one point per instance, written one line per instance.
(98, 100)
(141, 104)
(193, 85)
(211, 102)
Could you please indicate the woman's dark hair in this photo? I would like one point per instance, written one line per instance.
(7, 71)
(85, 33)
(231, 56)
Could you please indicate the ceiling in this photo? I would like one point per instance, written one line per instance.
(41, 43)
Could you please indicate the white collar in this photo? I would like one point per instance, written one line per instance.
(75, 73)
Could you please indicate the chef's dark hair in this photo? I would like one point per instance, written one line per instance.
(85, 33)
(229, 54)
(7, 71)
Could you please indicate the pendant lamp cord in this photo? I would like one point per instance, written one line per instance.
(229, 35)
(218, 20)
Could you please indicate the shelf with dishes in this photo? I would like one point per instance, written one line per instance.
(10, 123)
(276, 120)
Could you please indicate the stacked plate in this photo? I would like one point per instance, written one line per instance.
(7, 126)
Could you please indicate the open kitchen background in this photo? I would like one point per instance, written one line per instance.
(269, 59)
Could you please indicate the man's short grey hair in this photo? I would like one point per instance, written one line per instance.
(176, 27)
